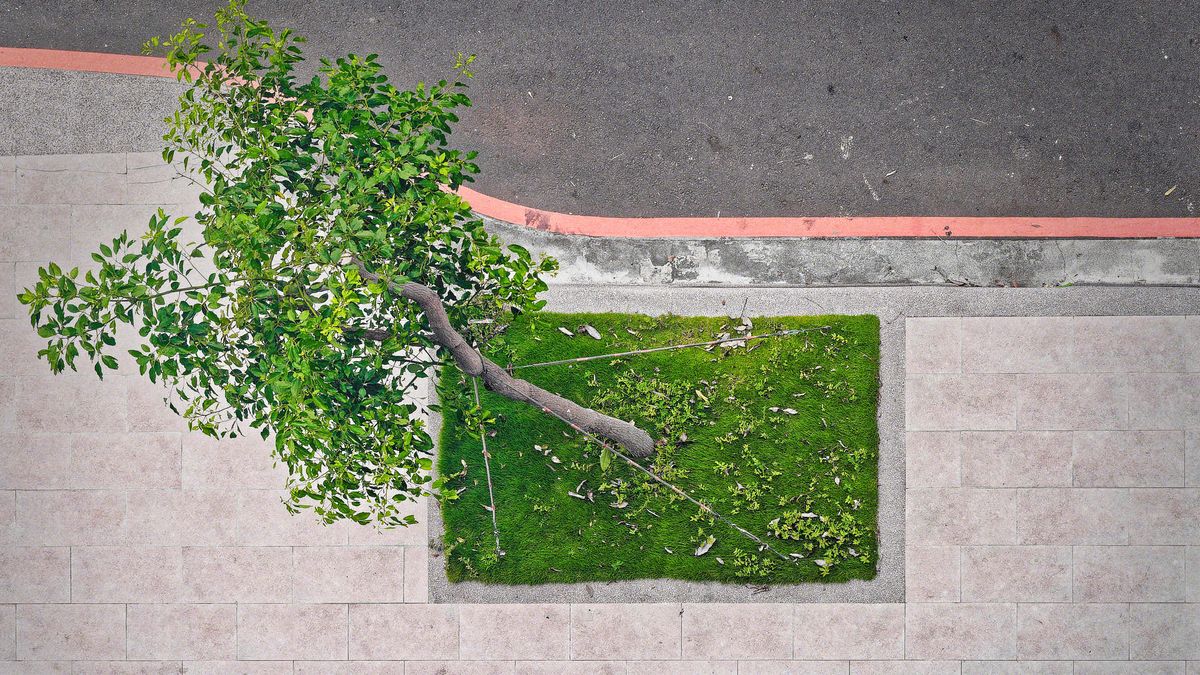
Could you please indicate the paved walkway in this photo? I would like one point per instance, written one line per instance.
(1052, 509)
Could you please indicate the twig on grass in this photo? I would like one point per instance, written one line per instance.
(487, 467)
(580, 359)
(703, 507)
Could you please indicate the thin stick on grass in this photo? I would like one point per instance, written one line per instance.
(487, 467)
(794, 331)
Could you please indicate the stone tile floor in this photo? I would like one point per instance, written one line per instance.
(1053, 515)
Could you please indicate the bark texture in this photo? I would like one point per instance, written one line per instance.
(497, 379)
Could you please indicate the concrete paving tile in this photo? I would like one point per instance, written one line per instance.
(987, 402)
(571, 667)
(35, 461)
(519, 632)
(34, 232)
(126, 574)
(931, 574)
(237, 574)
(1016, 458)
(1129, 458)
(1016, 668)
(182, 631)
(348, 574)
(8, 517)
(118, 461)
(960, 516)
(263, 520)
(407, 632)
(50, 403)
(92, 162)
(35, 574)
(904, 667)
(1130, 344)
(932, 402)
(1192, 567)
(1016, 344)
(22, 344)
(8, 634)
(416, 574)
(158, 183)
(932, 345)
(181, 517)
(932, 458)
(1073, 401)
(298, 632)
(8, 180)
(8, 401)
(125, 667)
(1165, 631)
(737, 631)
(1073, 631)
(793, 668)
(38, 667)
(1016, 574)
(96, 224)
(1130, 667)
(846, 631)
(1192, 461)
(1164, 401)
(1167, 516)
(147, 411)
(684, 667)
(70, 518)
(8, 291)
(69, 186)
(1074, 516)
(401, 668)
(244, 462)
(243, 667)
(1130, 574)
(626, 631)
(70, 632)
(960, 631)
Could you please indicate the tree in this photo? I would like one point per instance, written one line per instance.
(337, 268)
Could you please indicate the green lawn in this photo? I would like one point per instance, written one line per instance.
(779, 435)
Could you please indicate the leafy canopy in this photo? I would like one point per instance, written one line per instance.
(265, 322)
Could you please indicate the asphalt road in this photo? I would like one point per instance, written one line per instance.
(844, 107)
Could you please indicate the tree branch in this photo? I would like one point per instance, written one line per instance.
(497, 379)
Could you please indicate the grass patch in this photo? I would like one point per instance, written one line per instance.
(779, 436)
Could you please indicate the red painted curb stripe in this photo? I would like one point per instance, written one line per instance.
(1015, 227)
(93, 62)
(829, 227)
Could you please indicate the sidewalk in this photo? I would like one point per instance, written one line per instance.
(1050, 511)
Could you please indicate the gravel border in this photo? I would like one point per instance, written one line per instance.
(892, 305)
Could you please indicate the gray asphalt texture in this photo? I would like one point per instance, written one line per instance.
(772, 108)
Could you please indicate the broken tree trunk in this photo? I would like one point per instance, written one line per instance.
(497, 379)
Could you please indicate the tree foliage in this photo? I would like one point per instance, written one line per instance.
(319, 197)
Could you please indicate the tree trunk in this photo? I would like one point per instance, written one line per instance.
(470, 361)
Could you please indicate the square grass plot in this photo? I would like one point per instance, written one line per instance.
(778, 435)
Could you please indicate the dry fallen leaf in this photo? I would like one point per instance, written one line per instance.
(566, 332)
(595, 334)
(708, 543)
